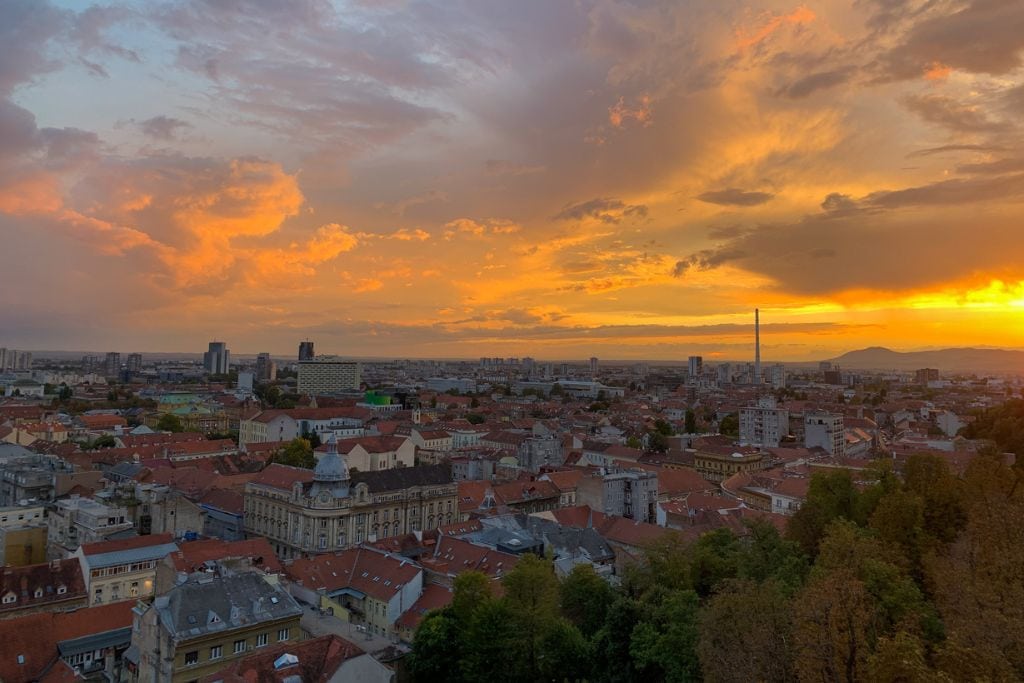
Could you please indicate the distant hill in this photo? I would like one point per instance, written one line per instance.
(982, 361)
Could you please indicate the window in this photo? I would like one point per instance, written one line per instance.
(191, 657)
(61, 590)
(239, 646)
(98, 598)
(282, 634)
(215, 652)
(261, 640)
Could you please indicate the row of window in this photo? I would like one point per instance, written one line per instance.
(216, 651)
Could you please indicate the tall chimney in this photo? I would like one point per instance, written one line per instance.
(757, 346)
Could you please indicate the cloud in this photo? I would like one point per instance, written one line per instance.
(948, 112)
(621, 113)
(812, 83)
(605, 210)
(490, 226)
(503, 167)
(163, 127)
(735, 197)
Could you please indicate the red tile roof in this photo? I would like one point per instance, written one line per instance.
(369, 571)
(319, 661)
(434, 597)
(282, 477)
(192, 554)
(126, 544)
(454, 556)
(46, 579)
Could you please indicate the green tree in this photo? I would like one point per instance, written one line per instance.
(833, 625)
(664, 645)
(169, 422)
(437, 649)
(657, 442)
(585, 598)
(105, 441)
(663, 427)
(297, 453)
(690, 423)
(730, 425)
(831, 496)
(475, 418)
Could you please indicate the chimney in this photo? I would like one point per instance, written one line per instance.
(757, 346)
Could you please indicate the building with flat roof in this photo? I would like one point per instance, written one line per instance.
(764, 424)
(322, 376)
(76, 521)
(123, 569)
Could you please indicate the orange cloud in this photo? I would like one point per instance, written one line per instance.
(620, 113)
(937, 71)
(800, 16)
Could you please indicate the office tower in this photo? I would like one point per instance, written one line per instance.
(134, 362)
(244, 383)
(757, 346)
(695, 366)
(328, 376)
(925, 375)
(763, 425)
(90, 364)
(217, 360)
(824, 366)
(593, 367)
(3, 359)
(777, 375)
(23, 360)
(112, 364)
(724, 374)
(306, 350)
(528, 365)
(825, 430)
(266, 369)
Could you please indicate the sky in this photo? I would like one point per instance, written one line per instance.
(549, 178)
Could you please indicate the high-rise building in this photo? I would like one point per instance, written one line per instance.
(328, 376)
(266, 368)
(763, 425)
(217, 360)
(3, 359)
(724, 374)
(593, 367)
(528, 365)
(695, 366)
(825, 430)
(306, 350)
(135, 362)
(90, 363)
(925, 375)
(112, 364)
(777, 376)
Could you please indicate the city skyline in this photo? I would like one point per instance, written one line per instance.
(451, 180)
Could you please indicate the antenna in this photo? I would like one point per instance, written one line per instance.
(757, 346)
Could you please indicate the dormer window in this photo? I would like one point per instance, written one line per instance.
(39, 592)
(61, 590)
(10, 598)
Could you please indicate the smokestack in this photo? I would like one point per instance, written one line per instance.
(757, 346)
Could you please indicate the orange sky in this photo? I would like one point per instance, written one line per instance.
(459, 178)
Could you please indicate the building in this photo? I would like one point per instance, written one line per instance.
(629, 493)
(825, 430)
(763, 425)
(694, 368)
(202, 625)
(328, 376)
(326, 658)
(11, 359)
(112, 364)
(361, 585)
(76, 521)
(22, 535)
(368, 453)
(306, 350)
(777, 376)
(217, 361)
(266, 368)
(288, 424)
(134, 362)
(123, 569)
(724, 371)
(329, 509)
(925, 375)
(593, 367)
(45, 587)
(718, 463)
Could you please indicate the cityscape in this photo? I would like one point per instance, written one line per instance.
(470, 340)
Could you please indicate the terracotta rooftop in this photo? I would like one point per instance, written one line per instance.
(192, 554)
(369, 571)
(118, 545)
(40, 585)
(318, 661)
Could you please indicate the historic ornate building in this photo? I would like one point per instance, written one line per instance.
(302, 512)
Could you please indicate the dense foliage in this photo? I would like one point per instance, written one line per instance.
(1002, 424)
(912, 578)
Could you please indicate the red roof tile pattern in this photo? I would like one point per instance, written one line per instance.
(40, 585)
(319, 660)
(374, 573)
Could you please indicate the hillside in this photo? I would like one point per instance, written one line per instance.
(983, 361)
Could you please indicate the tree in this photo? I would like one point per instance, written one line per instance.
(169, 422)
(663, 427)
(690, 423)
(475, 418)
(664, 645)
(929, 477)
(833, 623)
(297, 453)
(657, 442)
(585, 598)
(437, 649)
(831, 496)
(730, 425)
(105, 441)
(752, 618)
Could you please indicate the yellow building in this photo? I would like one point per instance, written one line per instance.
(719, 463)
(200, 626)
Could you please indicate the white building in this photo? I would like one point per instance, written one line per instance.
(777, 376)
(763, 425)
(328, 376)
(825, 430)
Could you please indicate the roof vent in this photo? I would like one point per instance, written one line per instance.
(285, 660)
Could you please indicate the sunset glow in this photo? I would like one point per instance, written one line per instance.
(486, 178)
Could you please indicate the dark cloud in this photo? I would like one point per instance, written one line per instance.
(952, 114)
(944, 149)
(708, 259)
(735, 197)
(606, 210)
(163, 127)
(25, 28)
(983, 36)
(838, 203)
(822, 80)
